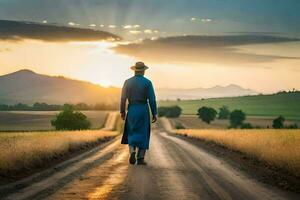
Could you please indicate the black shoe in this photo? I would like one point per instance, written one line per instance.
(132, 158)
(141, 161)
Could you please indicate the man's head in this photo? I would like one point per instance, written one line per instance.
(139, 68)
(139, 73)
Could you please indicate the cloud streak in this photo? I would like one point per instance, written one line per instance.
(15, 30)
(202, 49)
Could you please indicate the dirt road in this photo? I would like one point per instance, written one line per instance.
(176, 169)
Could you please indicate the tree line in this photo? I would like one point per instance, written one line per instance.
(54, 107)
(236, 117)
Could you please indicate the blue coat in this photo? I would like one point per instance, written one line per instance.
(139, 92)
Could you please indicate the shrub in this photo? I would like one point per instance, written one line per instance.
(246, 126)
(237, 118)
(179, 125)
(278, 122)
(69, 119)
(170, 112)
(207, 114)
(292, 126)
(224, 112)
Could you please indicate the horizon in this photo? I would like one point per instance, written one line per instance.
(111, 86)
(207, 43)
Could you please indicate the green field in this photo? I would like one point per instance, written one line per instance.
(193, 122)
(285, 104)
(41, 120)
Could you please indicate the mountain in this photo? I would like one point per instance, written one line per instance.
(28, 87)
(199, 93)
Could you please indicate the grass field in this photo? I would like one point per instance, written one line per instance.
(279, 148)
(40, 120)
(27, 151)
(287, 105)
(193, 122)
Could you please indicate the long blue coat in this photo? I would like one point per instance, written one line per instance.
(139, 92)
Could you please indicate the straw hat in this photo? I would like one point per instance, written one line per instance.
(139, 66)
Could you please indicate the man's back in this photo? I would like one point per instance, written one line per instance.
(137, 89)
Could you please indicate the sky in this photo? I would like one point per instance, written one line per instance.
(186, 43)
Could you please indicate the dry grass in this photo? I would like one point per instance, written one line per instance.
(23, 151)
(277, 147)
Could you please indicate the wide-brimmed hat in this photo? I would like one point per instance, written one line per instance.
(139, 66)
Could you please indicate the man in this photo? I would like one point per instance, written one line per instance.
(139, 92)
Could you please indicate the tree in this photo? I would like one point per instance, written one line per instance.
(174, 112)
(236, 118)
(82, 106)
(224, 112)
(292, 126)
(40, 106)
(4, 107)
(161, 111)
(278, 122)
(21, 106)
(170, 112)
(207, 114)
(69, 119)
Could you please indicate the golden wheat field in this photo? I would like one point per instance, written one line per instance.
(26, 150)
(277, 147)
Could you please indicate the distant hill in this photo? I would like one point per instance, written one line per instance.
(28, 87)
(285, 104)
(199, 93)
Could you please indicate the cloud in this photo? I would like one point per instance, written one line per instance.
(206, 20)
(127, 26)
(148, 31)
(135, 32)
(16, 30)
(202, 49)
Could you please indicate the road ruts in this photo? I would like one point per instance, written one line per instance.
(176, 169)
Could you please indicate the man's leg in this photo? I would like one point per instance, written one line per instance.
(141, 157)
(132, 152)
